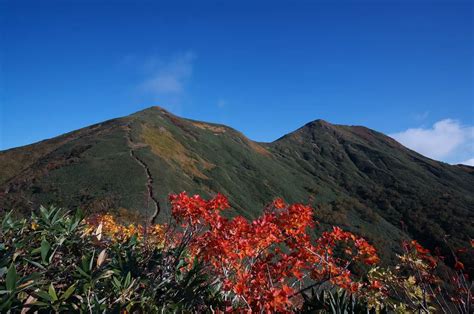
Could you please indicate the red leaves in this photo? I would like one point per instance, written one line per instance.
(421, 252)
(371, 260)
(257, 261)
(355, 248)
(265, 264)
(459, 266)
(278, 298)
(419, 248)
(193, 210)
(376, 285)
(279, 203)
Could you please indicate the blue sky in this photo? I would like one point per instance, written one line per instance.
(404, 68)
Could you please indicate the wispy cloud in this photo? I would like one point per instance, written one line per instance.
(422, 116)
(469, 162)
(446, 140)
(221, 103)
(166, 79)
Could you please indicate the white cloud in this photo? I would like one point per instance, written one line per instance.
(469, 162)
(168, 78)
(446, 140)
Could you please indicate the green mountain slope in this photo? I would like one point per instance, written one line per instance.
(354, 176)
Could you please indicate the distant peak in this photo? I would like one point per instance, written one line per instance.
(153, 108)
(319, 123)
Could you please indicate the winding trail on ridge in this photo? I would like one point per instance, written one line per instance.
(149, 182)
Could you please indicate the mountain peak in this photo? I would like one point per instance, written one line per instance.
(320, 122)
(154, 109)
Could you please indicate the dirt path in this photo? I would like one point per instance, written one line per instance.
(149, 183)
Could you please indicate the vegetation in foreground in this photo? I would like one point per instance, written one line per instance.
(203, 262)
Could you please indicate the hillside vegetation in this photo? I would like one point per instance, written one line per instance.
(354, 177)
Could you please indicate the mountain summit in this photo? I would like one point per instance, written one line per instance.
(353, 176)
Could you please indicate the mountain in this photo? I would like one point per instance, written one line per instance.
(355, 177)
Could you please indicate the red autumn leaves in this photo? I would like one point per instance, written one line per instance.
(264, 263)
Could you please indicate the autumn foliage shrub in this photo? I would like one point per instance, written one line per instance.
(263, 264)
(204, 262)
(415, 283)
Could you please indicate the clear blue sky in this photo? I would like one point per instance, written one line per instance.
(400, 67)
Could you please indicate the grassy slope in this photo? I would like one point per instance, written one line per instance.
(382, 178)
(355, 177)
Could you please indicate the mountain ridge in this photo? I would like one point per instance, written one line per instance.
(355, 177)
(317, 121)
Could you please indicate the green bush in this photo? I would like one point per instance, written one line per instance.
(50, 264)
